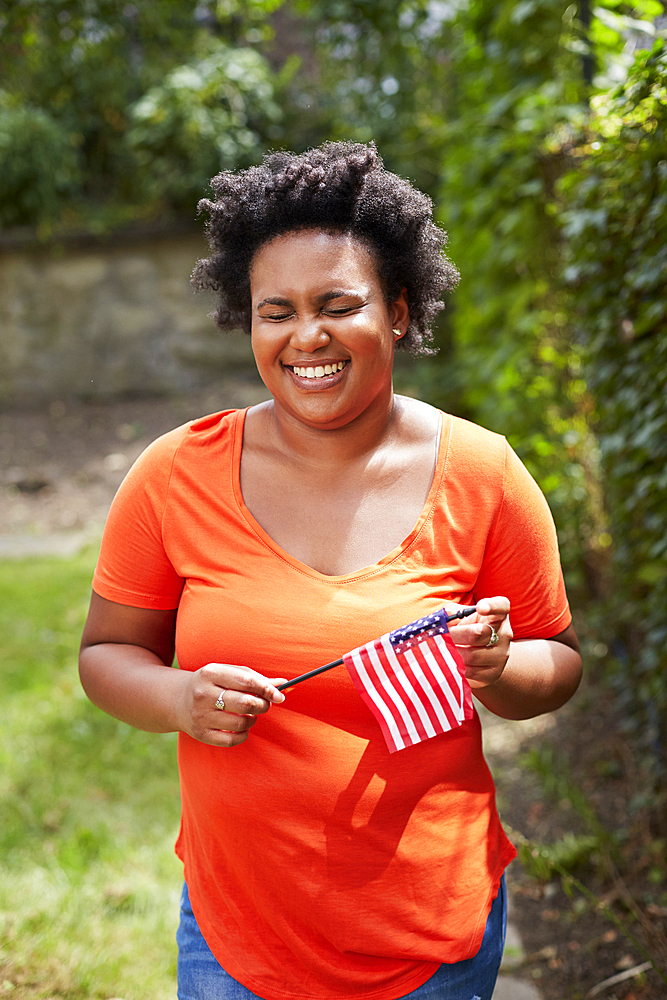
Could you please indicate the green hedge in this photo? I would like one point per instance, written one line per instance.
(38, 165)
(615, 232)
(112, 112)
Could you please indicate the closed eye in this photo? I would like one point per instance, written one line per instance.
(342, 310)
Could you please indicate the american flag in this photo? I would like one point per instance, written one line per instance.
(413, 681)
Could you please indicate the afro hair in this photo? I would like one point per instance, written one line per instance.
(340, 187)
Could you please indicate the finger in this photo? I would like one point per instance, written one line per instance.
(484, 658)
(493, 607)
(228, 722)
(230, 676)
(477, 635)
(223, 738)
(239, 702)
(482, 678)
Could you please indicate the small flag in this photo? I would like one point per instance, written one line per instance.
(413, 681)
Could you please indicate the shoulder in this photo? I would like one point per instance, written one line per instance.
(475, 457)
(186, 448)
(459, 432)
(195, 434)
(485, 463)
(477, 441)
(472, 456)
(418, 422)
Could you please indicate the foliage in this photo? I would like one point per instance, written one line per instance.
(561, 322)
(558, 783)
(88, 810)
(127, 103)
(544, 861)
(38, 165)
(571, 852)
(614, 226)
(205, 116)
(520, 102)
(382, 75)
(552, 191)
(487, 105)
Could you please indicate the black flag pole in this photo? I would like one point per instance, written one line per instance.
(463, 613)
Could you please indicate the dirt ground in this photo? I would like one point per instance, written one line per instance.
(569, 934)
(61, 465)
(59, 469)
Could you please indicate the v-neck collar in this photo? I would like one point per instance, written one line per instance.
(365, 571)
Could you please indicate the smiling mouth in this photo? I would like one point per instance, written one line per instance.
(317, 371)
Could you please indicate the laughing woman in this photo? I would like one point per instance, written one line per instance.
(261, 543)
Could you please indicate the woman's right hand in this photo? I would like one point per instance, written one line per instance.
(125, 670)
(244, 693)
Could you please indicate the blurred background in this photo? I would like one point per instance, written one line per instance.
(538, 128)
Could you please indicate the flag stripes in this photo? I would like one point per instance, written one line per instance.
(414, 694)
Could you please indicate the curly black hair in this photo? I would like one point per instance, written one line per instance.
(339, 187)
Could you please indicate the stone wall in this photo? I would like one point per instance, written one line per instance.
(108, 320)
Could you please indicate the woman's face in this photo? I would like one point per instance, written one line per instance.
(322, 332)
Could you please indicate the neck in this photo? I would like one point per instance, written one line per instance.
(325, 445)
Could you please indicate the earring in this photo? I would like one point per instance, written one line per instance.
(397, 333)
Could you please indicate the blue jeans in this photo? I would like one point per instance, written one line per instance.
(201, 977)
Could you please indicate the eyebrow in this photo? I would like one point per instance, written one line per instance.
(336, 293)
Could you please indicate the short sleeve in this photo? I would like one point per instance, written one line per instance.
(133, 567)
(521, 560)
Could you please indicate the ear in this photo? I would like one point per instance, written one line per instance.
(399, 314)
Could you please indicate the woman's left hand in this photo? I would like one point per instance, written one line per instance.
(484, 663)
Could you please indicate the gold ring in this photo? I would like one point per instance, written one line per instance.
(494, 637)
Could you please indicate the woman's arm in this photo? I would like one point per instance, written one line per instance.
(125, 670)
(517, 679)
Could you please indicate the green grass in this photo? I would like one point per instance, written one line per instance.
(89, 811)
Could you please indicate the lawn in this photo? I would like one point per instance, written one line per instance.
(89, 811)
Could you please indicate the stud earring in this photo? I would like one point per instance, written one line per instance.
(397, 333)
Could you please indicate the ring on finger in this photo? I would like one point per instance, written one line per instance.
(220, 703)
(494, 638)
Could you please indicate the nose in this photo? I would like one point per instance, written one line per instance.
(308, 336)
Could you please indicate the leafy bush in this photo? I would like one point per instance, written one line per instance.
(38, 164)
(130, 108)
(519, 105)
(547, 861)
(614, 226)
(205, 116)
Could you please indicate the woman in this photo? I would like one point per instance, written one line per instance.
(260, 544)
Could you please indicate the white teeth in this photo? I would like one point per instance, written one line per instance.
(319, 371)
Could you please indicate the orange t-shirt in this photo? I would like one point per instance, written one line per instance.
(320, 865)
